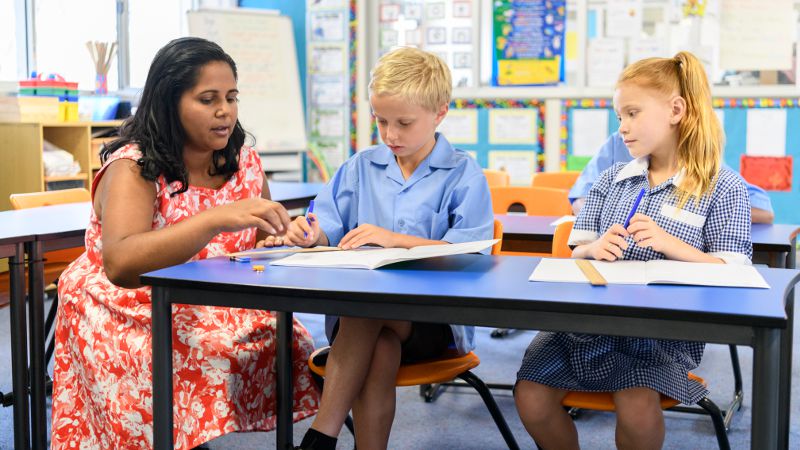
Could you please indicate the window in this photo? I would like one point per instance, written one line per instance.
(153, 23)
(10, 35)
(62, 30)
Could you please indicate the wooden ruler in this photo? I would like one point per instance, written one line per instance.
(591, 272)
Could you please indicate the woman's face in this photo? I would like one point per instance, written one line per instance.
(208, 111)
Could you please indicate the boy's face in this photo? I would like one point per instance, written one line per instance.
(208, 111)
(647, 120)
(407, 129)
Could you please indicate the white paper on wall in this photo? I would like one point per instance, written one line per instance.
(589, 131)
(460, 126)
(605, 61)
(624, 18)
(519, 165)
(757, 35)
(513, 126)
(646, 48)
(766, 132)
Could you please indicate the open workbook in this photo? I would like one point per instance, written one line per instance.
(372, 258)
(659, 271)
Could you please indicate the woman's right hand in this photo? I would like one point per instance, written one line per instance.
(266, 215)
(610, 245)
(303, 231)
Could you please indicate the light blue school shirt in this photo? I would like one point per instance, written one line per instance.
(614, 151)
(445, 199)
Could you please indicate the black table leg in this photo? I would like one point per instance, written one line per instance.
(284, 381)
(19, 349)
(162, 369)
(38, 368)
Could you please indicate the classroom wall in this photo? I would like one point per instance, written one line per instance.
(296, 10)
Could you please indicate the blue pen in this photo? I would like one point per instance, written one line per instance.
(308, 219)
(635, 206)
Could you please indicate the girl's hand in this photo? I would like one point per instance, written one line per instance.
(647, 233)
(302, 234)
(266, 215)
(610, 245)
(368, 234)
(270, 241)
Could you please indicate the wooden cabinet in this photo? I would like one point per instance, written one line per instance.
(21, 145)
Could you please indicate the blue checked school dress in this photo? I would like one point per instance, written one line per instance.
(719, 224)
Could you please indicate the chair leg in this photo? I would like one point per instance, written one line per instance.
(719, 423)
(737, 373)
(488, 399)
(48, 328)
(430, 392)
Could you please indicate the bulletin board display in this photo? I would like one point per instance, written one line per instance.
(501, 134)
(762, 142)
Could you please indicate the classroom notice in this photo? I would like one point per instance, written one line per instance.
(372, 258)
(528, 40)
(657, 271)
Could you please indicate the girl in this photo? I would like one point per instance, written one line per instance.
(177, 185)
(692, 211)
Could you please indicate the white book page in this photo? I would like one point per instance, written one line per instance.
(567, 271)
(430, 251)
(704, 274)
(622, 272)
(364, 258)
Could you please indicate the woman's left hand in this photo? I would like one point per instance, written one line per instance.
(368, 234)
(646, 233)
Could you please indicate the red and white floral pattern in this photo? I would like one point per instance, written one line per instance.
(223, 358)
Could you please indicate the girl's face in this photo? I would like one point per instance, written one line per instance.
(208, 111)
(648, 122)
(407, 129)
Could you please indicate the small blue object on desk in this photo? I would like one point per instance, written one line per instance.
(635, 207)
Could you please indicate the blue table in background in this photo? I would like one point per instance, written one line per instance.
(534, 233)
(487, 291)
(293, 195)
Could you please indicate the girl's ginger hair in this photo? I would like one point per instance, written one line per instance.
(700, 136)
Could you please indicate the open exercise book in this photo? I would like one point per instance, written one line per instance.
(657, 271)
(372, 258)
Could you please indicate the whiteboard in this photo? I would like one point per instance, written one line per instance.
(262, 45)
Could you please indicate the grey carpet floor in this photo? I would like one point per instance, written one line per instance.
(459, 420)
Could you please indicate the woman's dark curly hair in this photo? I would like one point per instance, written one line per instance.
(156, 127)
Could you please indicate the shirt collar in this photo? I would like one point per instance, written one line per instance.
(442, 156)
(638, 167)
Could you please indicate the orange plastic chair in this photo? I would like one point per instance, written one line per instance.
(497, 177)
(58, 260)
(560, 238)
(537, 201)
(558, 180)
(604, 401)
(498, 234)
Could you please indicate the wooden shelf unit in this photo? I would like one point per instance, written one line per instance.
(21, 146)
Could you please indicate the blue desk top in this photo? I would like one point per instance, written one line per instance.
(764, 236)
(282, 191)
(490, 281)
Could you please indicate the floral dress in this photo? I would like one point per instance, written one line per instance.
(223, 358)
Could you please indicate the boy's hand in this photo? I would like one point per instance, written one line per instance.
(647, 233)
(610, 245)
(368, 234)
(302, 234)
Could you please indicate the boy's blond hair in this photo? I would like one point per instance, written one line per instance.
(420, 77)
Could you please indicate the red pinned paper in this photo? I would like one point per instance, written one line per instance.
(772, 173)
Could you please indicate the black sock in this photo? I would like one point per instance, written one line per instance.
(314, 440)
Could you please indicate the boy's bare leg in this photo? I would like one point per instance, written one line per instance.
(373, 410)
(347, 368)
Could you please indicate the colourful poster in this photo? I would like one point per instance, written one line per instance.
(529, 42)
(772, 173)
